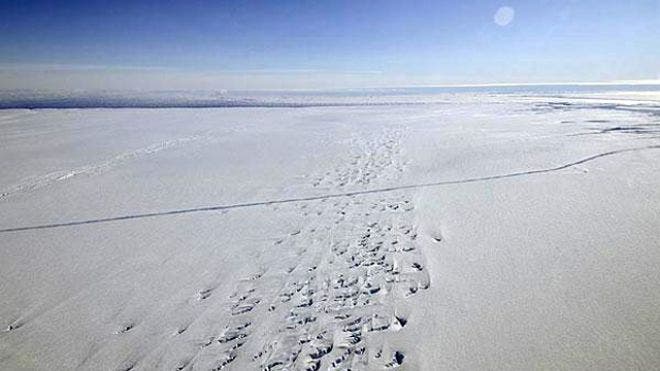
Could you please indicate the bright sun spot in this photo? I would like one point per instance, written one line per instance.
(504, 15)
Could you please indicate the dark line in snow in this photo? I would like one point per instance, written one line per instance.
(335, 195)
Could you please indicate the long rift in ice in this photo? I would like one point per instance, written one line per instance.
(329, 196)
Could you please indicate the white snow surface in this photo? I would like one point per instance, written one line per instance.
(474, 231)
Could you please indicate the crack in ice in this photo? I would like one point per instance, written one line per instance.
(327, 196)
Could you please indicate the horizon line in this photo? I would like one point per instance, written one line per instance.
(641, 82)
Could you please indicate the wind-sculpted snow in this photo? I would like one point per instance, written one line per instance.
(330, 299)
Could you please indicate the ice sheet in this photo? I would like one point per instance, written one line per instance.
(474, 231)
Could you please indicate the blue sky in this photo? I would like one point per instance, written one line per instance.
(307, 44)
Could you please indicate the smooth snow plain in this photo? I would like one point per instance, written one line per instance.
(456, 231)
